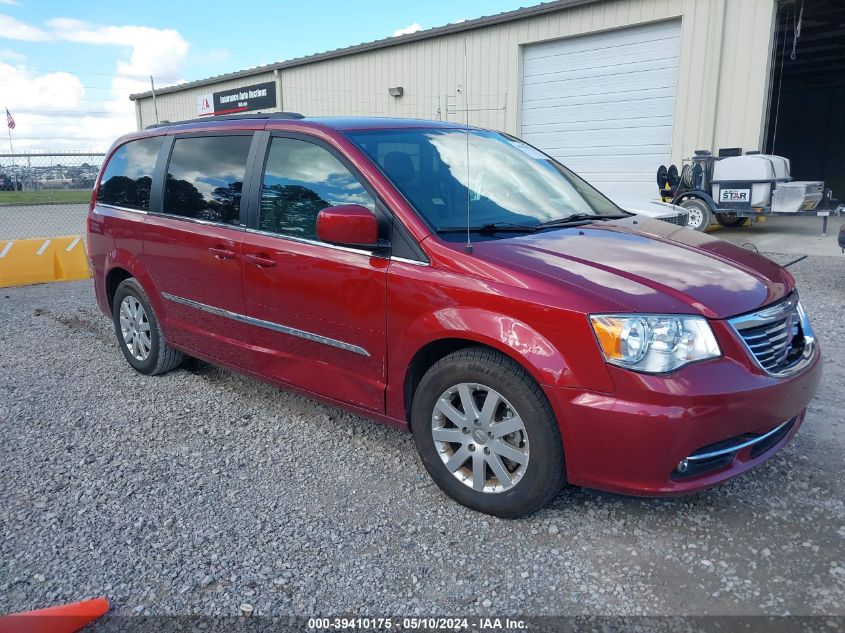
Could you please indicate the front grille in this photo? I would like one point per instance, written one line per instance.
(680, 219)
(778, 337)
(772, 343)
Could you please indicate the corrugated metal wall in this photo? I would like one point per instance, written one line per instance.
(178, 106)
(722, 79)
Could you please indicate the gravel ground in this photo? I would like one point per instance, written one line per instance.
(199, 490)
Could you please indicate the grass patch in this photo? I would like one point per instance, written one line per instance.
(51, 196)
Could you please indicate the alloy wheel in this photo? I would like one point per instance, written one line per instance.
(480, 437)
(135, 328)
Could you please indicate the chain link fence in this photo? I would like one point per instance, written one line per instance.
(46, 195)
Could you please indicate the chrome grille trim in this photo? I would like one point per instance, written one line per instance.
(738, 447)
(772, 337)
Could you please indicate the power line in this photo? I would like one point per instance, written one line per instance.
(69, 123)
(66, 112)
(81, 72)
(8, 83)
(102, 100)
(55, 138)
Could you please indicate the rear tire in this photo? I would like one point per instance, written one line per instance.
(504, 459)
(699, 214)
(730, 220)
(139, 333)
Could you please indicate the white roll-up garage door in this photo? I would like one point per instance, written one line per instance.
(603, 105)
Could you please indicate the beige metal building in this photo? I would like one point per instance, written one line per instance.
(612, 88)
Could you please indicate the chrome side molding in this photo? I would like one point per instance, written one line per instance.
(277, 327)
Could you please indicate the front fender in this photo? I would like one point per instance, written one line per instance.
(506, 334)
(510, 336)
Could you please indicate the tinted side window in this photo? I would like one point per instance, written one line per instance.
(205, 177)
(300, 180)
(127, 178)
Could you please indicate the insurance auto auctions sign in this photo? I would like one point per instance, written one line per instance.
(255, 97)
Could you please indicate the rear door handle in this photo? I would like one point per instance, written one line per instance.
(222, 253)
(260, 260)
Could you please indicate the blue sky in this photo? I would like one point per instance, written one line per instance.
(66, 68)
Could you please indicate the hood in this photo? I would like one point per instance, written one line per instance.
(640, 265)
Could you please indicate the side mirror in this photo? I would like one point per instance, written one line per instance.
(349, 225)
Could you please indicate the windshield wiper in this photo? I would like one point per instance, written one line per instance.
(493, 227)
(511, 227)
(578, 217)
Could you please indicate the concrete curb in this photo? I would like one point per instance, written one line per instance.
(42, 260)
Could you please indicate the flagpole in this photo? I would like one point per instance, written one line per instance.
(11, 148)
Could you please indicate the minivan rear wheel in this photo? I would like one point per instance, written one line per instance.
(487, 434)
(139, 333)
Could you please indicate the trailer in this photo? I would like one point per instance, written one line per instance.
(733, 187)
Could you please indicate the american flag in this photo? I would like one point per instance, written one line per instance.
(10, 122)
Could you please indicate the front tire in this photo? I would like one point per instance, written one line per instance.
(487, 434)
(699, 214)
(139, 333)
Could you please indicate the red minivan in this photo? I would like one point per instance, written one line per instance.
(459, 283)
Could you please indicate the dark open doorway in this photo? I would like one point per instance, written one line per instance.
(806, 118)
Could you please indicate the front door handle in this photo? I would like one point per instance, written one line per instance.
(260, 260)
(222, 253)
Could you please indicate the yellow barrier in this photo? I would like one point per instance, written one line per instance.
(40, 260)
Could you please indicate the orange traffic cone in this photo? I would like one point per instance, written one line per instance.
(66, 618)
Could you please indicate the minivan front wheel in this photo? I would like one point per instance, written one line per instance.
(139, 333)
(487, 435)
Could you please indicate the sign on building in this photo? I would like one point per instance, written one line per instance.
(205, 104)
(255, 97)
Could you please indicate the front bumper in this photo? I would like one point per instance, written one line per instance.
(631, 441)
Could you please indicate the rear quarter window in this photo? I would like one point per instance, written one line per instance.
(128, 175)
(205, 177)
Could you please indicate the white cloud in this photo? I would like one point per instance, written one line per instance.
(154, 51)
(10, 3)
(13, 29)
(51, 91)
(52, 105)
(10, 56)
(56, 111)
(411, 28)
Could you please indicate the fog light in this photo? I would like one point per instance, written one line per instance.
(682, 466)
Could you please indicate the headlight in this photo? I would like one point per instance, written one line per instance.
(654, 343)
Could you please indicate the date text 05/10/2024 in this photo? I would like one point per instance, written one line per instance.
(416, 623)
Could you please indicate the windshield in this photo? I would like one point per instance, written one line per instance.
(508, 182)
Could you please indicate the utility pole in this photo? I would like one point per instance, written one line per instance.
(155, 105)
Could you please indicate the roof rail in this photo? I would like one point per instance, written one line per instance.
(230, 117)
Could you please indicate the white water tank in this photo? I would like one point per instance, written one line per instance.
(751, 168)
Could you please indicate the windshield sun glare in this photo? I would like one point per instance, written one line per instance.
(505, 182)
